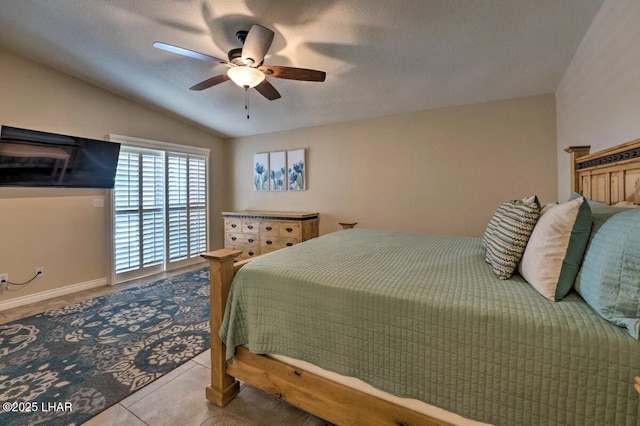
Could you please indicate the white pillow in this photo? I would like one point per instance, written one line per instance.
(554, 252)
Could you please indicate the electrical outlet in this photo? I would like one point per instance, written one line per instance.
(4, 283)
(40, 271)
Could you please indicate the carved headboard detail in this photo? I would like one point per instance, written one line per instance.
(608, 176)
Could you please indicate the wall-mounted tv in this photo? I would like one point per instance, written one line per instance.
(41, 159)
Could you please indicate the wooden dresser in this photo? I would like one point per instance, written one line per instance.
(259, 232)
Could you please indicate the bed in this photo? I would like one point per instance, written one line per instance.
(377, 327)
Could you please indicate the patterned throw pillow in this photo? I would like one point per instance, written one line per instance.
(491, 227)
(509, 238)
(497, 217)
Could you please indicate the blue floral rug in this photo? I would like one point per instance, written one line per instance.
(66, 365)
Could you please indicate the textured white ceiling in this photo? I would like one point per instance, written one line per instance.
(382, 57)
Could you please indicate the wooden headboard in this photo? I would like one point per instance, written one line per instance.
(609, 176)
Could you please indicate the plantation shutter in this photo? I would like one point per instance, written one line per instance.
(138, 208)
(186, 206)
(126, 221)
(152, 209)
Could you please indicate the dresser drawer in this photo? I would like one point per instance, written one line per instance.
(269, 228)
(269, 243)
(232, 225)
(247, 252)
(250, 226)
(247, 240)
(289, 229)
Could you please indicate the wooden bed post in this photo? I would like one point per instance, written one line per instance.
(576, 152)
(223, 388)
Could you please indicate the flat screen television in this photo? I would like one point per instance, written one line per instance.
(41, 159)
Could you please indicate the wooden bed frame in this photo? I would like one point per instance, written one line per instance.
(608, 176)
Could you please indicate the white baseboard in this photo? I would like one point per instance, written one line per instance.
(49, 294)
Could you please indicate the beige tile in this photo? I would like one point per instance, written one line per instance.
(259, 407)
(221, 417)
(204, 358)
(153, 386)
(181, 402)
(116, 415)
(315, 421)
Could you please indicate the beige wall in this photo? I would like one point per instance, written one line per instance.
(598, 100)
(60, 229)
(438, 171)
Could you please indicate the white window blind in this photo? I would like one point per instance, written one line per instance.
(159, 208)
(187, 205)
(138, 210)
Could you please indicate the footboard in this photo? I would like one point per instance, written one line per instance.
(223, 387)
(314, 394)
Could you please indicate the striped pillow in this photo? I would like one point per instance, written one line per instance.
(497, 217)
(491, 227)
(508, 240)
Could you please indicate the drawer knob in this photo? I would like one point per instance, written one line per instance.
(250, 240)
(233, 225)
(250, 226)
(289, 229)
(250, 253)
(268, 228)
(289, 244)
(269, 242)
(233, 238)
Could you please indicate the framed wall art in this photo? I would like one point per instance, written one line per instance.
(278, 171)
(296, 168)
(261, 171)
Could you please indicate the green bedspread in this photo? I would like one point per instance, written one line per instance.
(423, 316)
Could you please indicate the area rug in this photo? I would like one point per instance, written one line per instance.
(66, 365)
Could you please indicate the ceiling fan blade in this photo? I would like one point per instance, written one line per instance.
(210, 82)
(186, 52)
(256, 45)
(267, 90)
(291, 73)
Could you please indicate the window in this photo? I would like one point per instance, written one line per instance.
(159, 208)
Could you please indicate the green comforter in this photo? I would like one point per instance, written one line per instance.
(423, 316)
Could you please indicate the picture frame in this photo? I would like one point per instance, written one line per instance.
(296, 170)
(278, 171)
(261, 171)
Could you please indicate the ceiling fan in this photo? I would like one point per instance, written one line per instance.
(245, 64)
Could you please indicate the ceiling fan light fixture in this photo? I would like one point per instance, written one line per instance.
(245, 76)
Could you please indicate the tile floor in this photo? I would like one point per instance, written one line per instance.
(177, 398)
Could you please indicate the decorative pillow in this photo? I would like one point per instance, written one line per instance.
(508, 240)
(491, 226)
(497, 216)
(554, 253)
(609, 280)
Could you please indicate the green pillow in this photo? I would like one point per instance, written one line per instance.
(609, 280)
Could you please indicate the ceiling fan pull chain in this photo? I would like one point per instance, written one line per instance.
(246, 100)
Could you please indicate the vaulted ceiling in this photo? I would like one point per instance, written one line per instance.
(381, 57)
